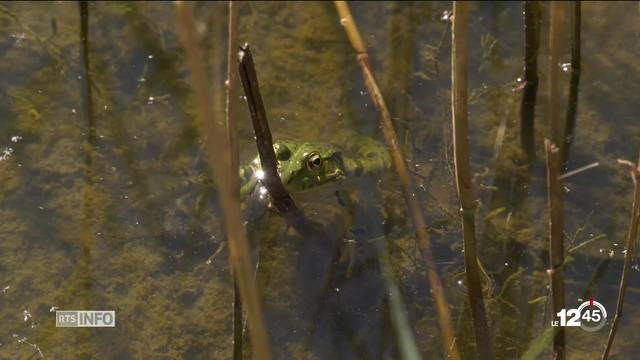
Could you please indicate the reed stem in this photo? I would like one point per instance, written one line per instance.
(293, 216)
(217, 144)
(555, 32)
(576, 63)
(556, 240)
(406, 182)
(532, 16)
(632, 235)
(232, 136)
(463, 177)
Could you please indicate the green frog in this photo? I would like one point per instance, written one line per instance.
(309, 169)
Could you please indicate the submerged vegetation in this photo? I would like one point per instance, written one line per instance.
(111, 199)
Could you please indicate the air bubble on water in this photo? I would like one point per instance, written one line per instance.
(6, 153)
(41, 207)
(150, 100)
(446, 15)
(337, 289)
(4, 289)
(16, 138)
(611, 253)
(636, 267)
(73, 111)
(565, 67)
(27, 315)
(363, 93)
(150, 57)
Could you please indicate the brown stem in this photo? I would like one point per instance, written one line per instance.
(217, 145)
(408, 189)
(532, 16)
(555, 32)
(293, 216)
(463, 177)
(632, 235)
(232, 134)
(570, 121)
(556, 240)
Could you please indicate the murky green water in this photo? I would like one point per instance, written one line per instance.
(99, 174)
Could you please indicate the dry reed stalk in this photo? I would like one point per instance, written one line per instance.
(232, 87)
(463, 177)
(555, 32)
(532, 16)
(400, 166)
(576, 63)
(285, 204)
(632, 236)
(217, 144)
(556, 240)
(232, 136)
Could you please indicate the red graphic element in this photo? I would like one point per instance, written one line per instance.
(590, 300)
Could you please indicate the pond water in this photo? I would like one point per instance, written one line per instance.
(106, 202)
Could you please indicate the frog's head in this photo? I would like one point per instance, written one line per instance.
(305, 166)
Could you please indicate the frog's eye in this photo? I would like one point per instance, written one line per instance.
(314, 161)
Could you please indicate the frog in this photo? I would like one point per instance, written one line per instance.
(309, 168)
